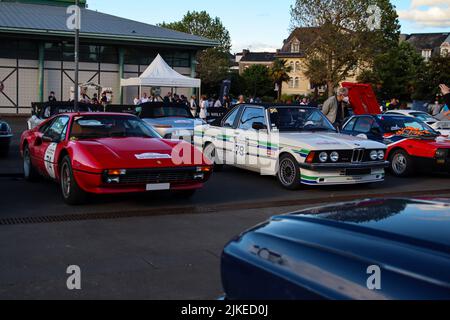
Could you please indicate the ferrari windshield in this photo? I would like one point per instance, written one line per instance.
(104, 126)
(395, 124)
(298, 119)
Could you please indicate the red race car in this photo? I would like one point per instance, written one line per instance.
(108, 153)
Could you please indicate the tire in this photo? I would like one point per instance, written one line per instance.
(401, 163)
(289, 173)
(210, 152)
(29, 171)
(71, 192)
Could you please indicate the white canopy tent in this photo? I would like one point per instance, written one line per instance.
(160, 74)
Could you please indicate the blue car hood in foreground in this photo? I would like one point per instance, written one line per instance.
(331, 253)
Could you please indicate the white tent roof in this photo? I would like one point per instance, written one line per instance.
(160, 74)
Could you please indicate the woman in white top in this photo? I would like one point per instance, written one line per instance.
(193, 105)
(203, 103)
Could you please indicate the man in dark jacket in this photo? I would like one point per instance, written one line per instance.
(445, 113)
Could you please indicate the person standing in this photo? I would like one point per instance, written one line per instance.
(51, 97)
(136, 101)
(144, 98)
(445, 111)
(203, 108)
(241, 99)
(335, 109)
(193, 106)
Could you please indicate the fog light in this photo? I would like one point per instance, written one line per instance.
(113, 180)
(199, 176)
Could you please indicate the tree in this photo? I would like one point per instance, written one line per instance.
(279, 73)
(213, 67)
(203, 25)
(316, 72)
(257, 81)
(429, 76)
(213, 63)
(394, 72)
(342, 37)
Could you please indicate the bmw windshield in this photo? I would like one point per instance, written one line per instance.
(104, 126)
(298, 119)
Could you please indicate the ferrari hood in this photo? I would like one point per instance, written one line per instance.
(127, 153)
(326, 141)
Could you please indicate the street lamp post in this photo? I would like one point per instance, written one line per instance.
(77, 45)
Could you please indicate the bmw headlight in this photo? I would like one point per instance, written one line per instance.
(380, 155)
(374, 155)
(334, 156)
(323, 157)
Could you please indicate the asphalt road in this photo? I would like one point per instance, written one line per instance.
(147, 246)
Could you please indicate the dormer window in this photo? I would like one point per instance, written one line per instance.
(426, 54)
(295, 47)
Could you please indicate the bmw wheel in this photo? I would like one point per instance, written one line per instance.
(211, 153)
(29, 172)
(71, 192)
(401, 163)
(289, 173)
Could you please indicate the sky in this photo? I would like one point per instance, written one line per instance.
(262, 25)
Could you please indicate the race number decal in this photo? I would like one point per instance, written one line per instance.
(241, 153)
(49, 159)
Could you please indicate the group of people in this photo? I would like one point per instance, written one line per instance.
(200, 108)
(84, 98)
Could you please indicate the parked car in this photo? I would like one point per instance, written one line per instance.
(295, 143)
(43, 111)
(170, 120)
(423, 116)
(412, 144)
(5, 137)
(365, 250)
(108, 153)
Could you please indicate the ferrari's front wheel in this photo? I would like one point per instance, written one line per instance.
(29, 172)
(71, 191)
(289, 173)
(401, 163)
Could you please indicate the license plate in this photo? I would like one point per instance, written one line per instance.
(357, 172)
(158, 186)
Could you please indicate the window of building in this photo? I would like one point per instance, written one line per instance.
(291, 83)
(108, 54)
(297, 82)
(426, 54)
(292, 66)
(8, 48)
(53, 51)
(295, 47)
(28, 50)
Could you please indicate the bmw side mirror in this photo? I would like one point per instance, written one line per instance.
(259, 126)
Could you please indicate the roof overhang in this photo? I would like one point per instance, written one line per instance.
(100, 36)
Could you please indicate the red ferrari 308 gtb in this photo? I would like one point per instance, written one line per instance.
(108, 153)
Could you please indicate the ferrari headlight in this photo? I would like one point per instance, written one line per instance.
(441, 154)
(380, 155)
(374, 155)
(323, 157)
(334, 156)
